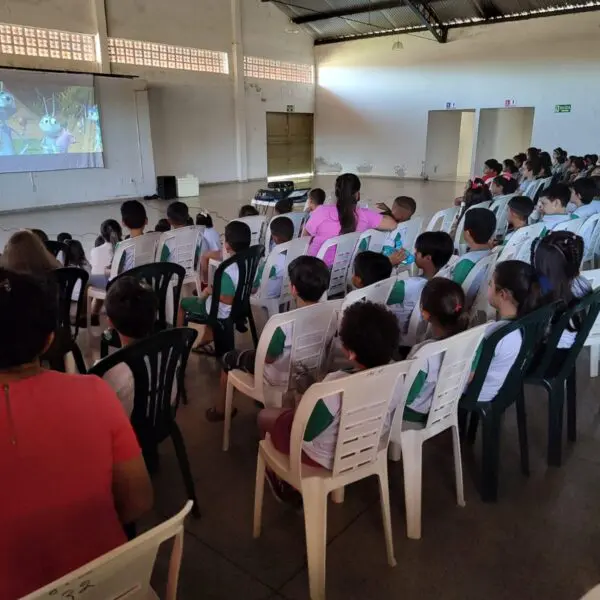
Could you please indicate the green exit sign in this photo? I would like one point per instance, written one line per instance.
(562, 108)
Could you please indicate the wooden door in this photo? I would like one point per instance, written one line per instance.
(289, 143)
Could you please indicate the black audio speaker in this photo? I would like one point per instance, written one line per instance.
(166, 187)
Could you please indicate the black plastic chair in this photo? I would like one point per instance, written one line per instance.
(157, 363)
(55, 248)
(532, 328)
(159, 277)
(555, 370)
(247, 262)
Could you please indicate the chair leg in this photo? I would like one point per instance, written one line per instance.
(395, 451)
(572, 405)
(490, 457)
(522, 427)
(386, 515)
(253, 329)
(228, 411)
(412, 461)
(79, 362)
(594, 360)
(472, 427)
(315, 525)
(337, 496)
(184, 465)
(555, 424)
(458, 471)
(259, 492)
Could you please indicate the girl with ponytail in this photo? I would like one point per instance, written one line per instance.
(328, 220)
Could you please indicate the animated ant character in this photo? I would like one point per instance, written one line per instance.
(51, 129)
(92, 114)
(8, 107)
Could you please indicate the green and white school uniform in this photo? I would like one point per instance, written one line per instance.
(277, 373)
(275, 276)
(201, 306)
(587, 210)
(403, 299)
(551, 221)
(465, 264)
(580, 287)
(323, 425)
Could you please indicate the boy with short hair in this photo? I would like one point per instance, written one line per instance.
(177, 215)
(316, 198)
(583, 192)
(284, 206)
(133, 217)
(282, 231)
(131, 310)
(519, 211)
(553, 206)
(309, 280)
(403, 209)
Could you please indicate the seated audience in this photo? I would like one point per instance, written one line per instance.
(162, 226)
(212, 239)
(590, 162)
(519, 211)
(531, 173)
(75, 257)
(577, 168)
(546, 163)
(73, 468)
(316, 198)
(553, 206)
(509, 167)
(247, 211)
(26, 253)
(284, 206)
(520, 159)
(503, 185)
(178, 215)
(63, 237)
(491, 169)
(402, 210)
(559, 164)
(583, 205)
(133, 216)
(41, 234)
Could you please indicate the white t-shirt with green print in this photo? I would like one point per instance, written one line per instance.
(404, 298)
(280, 348)
(275, 276)
(229, 283)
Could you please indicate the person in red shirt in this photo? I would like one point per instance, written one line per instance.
(71, 470)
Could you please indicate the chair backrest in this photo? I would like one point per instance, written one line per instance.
(409, 232)
(257, 228)
(125, 571)
(365, 403)
(344, 246)
(590, 232)
(57, 249)
(477, 279)
(67, 279)
(500, 208)
(442, 220)
(572, 225)
(311, 329)
(417, 326)
(459, 243)
(377, 292)
(518, 246)
(535, 189)
(291, 250)
(181, 244)
(458, 354)
(158, 364)
(593, 277)
(162, 278)
(134, 252)
(371, 239)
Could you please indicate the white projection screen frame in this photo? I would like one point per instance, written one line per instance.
(48, 122)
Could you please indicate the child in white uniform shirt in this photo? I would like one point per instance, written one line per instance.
(583, 192)
(553, 206)
(212, 240)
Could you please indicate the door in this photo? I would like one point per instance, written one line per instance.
(289, 143)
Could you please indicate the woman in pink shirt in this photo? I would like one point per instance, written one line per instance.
(71, 470)
(328, 221)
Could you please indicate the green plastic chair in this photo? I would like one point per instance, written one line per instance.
(532, 328)
(555, 370)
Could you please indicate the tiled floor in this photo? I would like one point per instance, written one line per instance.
(541, 540)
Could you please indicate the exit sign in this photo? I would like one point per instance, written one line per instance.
(562, 108)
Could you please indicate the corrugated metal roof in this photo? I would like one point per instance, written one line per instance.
(449, 13)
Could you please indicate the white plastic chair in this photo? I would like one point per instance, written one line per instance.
(344, 246)
(291, 250)
(313, 328)
(371, 239)
(417, 326)
(257, 228)
(477, 279)
(377, 292)
(459, 352)
(518, 247)
(593, 339)
(182, 243)
(590, 232)
(125, 571)
(572, 225)
(361, 451)
(593, 594)
(500, 208)
(409, 231)
(537, 186)
(443, 218)
(459, 243)
(296, 218)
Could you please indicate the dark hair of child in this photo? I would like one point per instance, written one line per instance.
(310, 276)
(494, 165)
(445, 301)
(131, 306)
(247, 211)
(585, 188)
(75, 254)
(63, 237)
(237, 235)
(111, 231)
(284, 206)
(282, 228)
(318, 196)
(510, 166)
(591, 159)
(347, 186)
(98, 241)
(520, 158)
(41, 234)
(438, 245)
(204, 220)
(534, 165)
(558, 191)
(508, 184)
(481, 224)
(189, 221)
(162, 226)
(521, 206)
(133, 214)
(521, 280)
(475, 195)
(371, 267)
(546, 161)
(596, 180)
(407, 203)
(371, 332)
(560, 155)
(578, 163)
(28, 316)
(532, 152)
(178, 213)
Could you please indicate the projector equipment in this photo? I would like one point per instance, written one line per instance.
(284, 186)
(299, 196)
(270, 195)
(166, 187)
